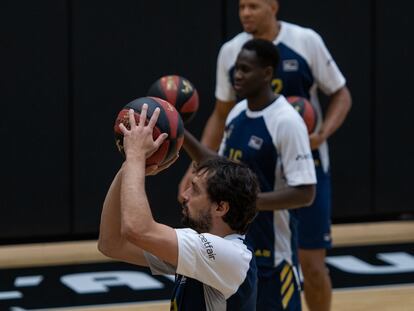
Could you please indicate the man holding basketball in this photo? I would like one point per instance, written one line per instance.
(214, 268)
(265, 132)
(305, 66)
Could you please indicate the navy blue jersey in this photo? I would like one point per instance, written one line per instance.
(274, 143)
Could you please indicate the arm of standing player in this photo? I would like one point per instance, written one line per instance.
(287, 198)
(195, 149)
(213, 131)
(339, 105)
(197, 153)
(211, 138)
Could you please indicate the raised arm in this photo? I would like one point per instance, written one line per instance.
(136, 225)
(111, 243)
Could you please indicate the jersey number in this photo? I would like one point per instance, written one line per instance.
(277, 85)
(235, 155)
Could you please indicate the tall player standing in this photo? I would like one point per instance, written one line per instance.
(305, 66)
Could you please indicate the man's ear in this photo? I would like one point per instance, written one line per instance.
(274, 6)
(222, 208)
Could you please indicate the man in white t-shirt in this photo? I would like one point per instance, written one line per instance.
(305, 66)
(214, 268)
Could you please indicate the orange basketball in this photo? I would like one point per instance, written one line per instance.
(306, 111)
(179, 92)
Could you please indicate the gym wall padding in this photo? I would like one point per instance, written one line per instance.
(119, 50)
(68, 66)
(394, 128)
(35, 153)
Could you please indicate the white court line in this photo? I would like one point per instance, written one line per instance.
(375, 287)
(10, 295)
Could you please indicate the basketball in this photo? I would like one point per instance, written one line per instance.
(179, 92)
(169, 121)
(306, 111)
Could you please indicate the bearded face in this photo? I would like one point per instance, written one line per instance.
(201, 222)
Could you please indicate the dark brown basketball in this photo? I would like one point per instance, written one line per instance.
(306, 110)
(169, 121)
(179, 92)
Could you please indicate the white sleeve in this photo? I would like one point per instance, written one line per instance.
(324, 69)
(158, 266)
(212, 260)
(292, 143)
(224, 89)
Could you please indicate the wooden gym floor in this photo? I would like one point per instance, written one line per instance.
(356, 299)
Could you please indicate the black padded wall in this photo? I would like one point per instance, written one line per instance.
(394, 148)
(119, 50)
(34, 166)
(68, 66)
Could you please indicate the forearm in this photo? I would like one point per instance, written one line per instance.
(214, 129)
(339, 105)
(286, 198)
(110, 225)
(137, 224)
(213, 132)
(195, 149)
(136, 216)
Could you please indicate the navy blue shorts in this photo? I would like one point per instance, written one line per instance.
(278, 289)
(314, 222)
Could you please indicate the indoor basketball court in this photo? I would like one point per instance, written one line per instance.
(70, 70)
(376, 274)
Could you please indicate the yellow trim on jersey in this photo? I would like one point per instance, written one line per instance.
(288, 296)
(285, 270)
(287, 282)
(288, 287)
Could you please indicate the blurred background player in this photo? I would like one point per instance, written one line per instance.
(265, 132)
(305, 66)
(214, 268)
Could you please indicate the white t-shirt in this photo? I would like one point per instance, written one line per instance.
(222, 265)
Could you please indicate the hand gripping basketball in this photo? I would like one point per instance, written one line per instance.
(138, 139)
(167, 121)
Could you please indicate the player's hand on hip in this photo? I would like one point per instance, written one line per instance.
(185, 183)
(138, 140)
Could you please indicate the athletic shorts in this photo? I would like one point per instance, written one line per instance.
(314, 222)
(278, 289)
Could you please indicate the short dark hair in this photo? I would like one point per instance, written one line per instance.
(234, 183)
(266, 52)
